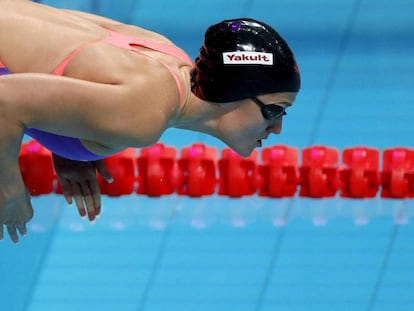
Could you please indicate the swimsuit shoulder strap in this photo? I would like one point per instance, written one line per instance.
(59, 70)
(130, 43)
(126, 42)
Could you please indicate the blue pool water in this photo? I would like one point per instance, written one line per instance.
(254, 254)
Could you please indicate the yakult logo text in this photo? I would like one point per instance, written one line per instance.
(247, 58)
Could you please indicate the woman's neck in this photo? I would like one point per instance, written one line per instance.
(198, 115)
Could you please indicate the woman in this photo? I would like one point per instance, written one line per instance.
(87, 87)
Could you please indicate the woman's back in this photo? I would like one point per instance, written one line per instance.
(36, 38)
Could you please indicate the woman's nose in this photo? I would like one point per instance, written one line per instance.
(275, 128)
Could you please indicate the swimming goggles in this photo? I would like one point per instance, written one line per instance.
(271, 111)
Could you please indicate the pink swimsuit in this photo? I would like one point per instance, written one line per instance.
(72, 148)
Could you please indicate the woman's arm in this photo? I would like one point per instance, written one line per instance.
(131, 114)
(15, 208)
(57, 104)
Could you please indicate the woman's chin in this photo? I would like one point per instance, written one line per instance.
(246, 151)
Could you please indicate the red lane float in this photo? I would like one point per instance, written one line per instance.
(36, 166)
(198, 168)
(398, 173)
(238, 175)
(318, 172)
(158, 171)
(123, 167)
(198, 171)
(359, 177)
(279, 173)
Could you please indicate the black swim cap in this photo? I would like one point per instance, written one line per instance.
(242, 58)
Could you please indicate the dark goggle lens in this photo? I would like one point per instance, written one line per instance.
(271, 111)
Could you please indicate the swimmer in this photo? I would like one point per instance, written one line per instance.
(86, 87)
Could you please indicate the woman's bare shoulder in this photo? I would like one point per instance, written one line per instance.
(139, 32)
(127, 29)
